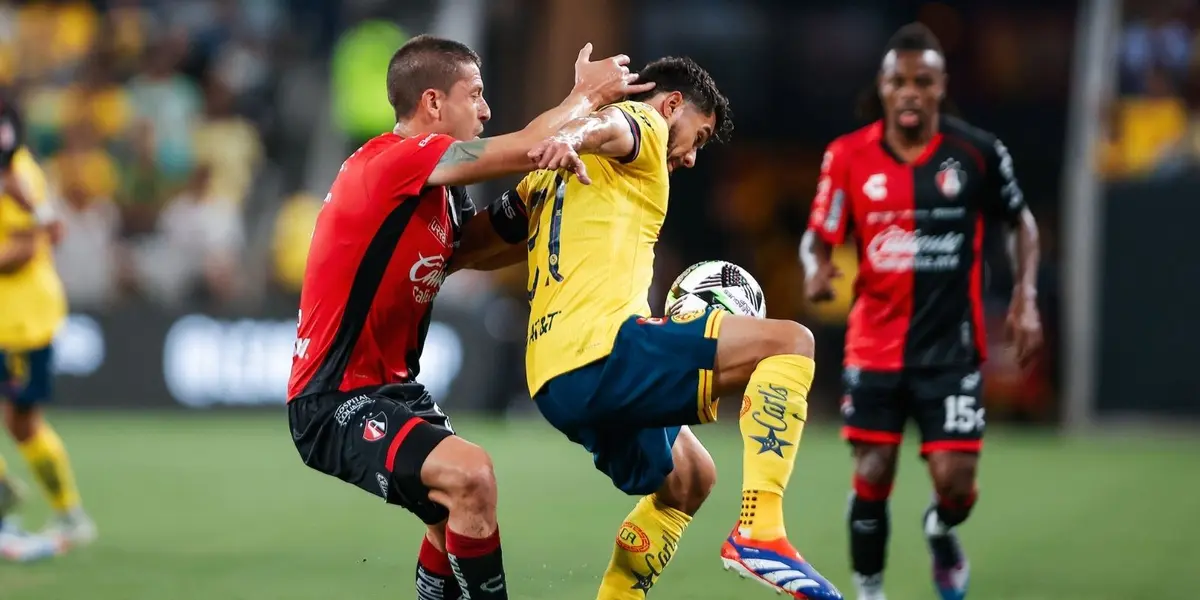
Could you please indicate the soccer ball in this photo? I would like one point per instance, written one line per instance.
(716, 283)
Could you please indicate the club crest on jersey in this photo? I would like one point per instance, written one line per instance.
(951, 178)
(687, 316)
(375, 427)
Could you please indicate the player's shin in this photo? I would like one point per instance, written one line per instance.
(48, 460)
(435, 577)
(870, 526)
(478, 565)
(774, 410)
(646, 542)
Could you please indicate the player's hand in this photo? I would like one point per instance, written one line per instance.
(1024, 329)
(559, 152)
(55, 230)
(818, 286)
(607, 80)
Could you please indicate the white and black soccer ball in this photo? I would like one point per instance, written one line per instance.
(716, 283)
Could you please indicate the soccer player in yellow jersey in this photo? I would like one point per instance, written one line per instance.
(32, 308)
(626, 385)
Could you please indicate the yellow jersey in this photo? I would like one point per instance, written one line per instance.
(591, 249)
(32, 302)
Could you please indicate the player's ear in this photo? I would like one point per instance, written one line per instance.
(673, 102)
(431, 101)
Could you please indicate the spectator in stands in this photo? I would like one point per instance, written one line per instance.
(226, 143)
(197, 253)
(87, 257)
(290, 239)
(170, 102)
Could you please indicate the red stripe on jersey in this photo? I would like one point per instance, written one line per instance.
(976, 291)
(394, 447)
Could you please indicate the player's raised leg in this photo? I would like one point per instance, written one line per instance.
(770, 362)
(650, 535)
(435, 576)
(41, 446)
(459, 476)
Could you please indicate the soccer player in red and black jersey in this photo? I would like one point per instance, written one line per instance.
(917, 188)
(389, 231)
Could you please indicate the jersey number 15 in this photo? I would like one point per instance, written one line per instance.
(553, 237)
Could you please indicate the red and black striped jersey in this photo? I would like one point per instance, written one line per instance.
(379, 255)
(919, 232)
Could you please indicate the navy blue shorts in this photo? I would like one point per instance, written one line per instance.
(628, 407)
(26, 378)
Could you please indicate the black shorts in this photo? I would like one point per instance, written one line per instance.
(376, 439)
(944, 401)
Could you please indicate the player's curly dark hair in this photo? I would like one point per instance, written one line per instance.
(684, 75)
(425, 62)
(914, 36)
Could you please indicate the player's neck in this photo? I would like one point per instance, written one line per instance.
(910, 147)
(414, 128)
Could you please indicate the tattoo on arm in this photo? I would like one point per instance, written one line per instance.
(462, 152)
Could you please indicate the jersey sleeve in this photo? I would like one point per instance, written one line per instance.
(1003, 198)
(15, 217)
(830, 215)
(649, 136)
(402, 170)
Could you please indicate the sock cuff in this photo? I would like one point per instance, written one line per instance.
(462, 546)
(871, 492)
(433, 560)
(959, 503)
(673, 514)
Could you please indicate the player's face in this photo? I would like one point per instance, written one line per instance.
(690, 131)
(911, 85)
(464, 111)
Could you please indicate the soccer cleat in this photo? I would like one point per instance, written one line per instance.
(777, 565)
(73, 529)
(951, 570)
(870, 587)
(18, 546)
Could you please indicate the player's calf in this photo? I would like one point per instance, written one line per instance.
(953, 475)
(459, 476)
(868, 517)
(434, 576)
(650, 535)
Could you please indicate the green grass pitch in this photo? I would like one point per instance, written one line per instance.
(218, 506)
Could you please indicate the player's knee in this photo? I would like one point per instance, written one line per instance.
(790, 337)
(690, 484)
(469, 482)
(953, 476)
(875, 464)
(21, 421)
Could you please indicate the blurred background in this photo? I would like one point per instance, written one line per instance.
(189, 143)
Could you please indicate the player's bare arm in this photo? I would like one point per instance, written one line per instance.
(17, 250)
(816, 255)
(1024, 322)
(596, 84)
(607, 133)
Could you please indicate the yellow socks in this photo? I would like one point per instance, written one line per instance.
(648, 539)
(3, 468)
(774, 411)
(48, 460)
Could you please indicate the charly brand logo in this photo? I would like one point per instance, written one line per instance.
(774, 418)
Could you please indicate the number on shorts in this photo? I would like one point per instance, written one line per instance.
(553, 237)
(962, 416)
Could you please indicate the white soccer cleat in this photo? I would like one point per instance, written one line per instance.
(18, 546)
(75, 529)
(869, 587)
